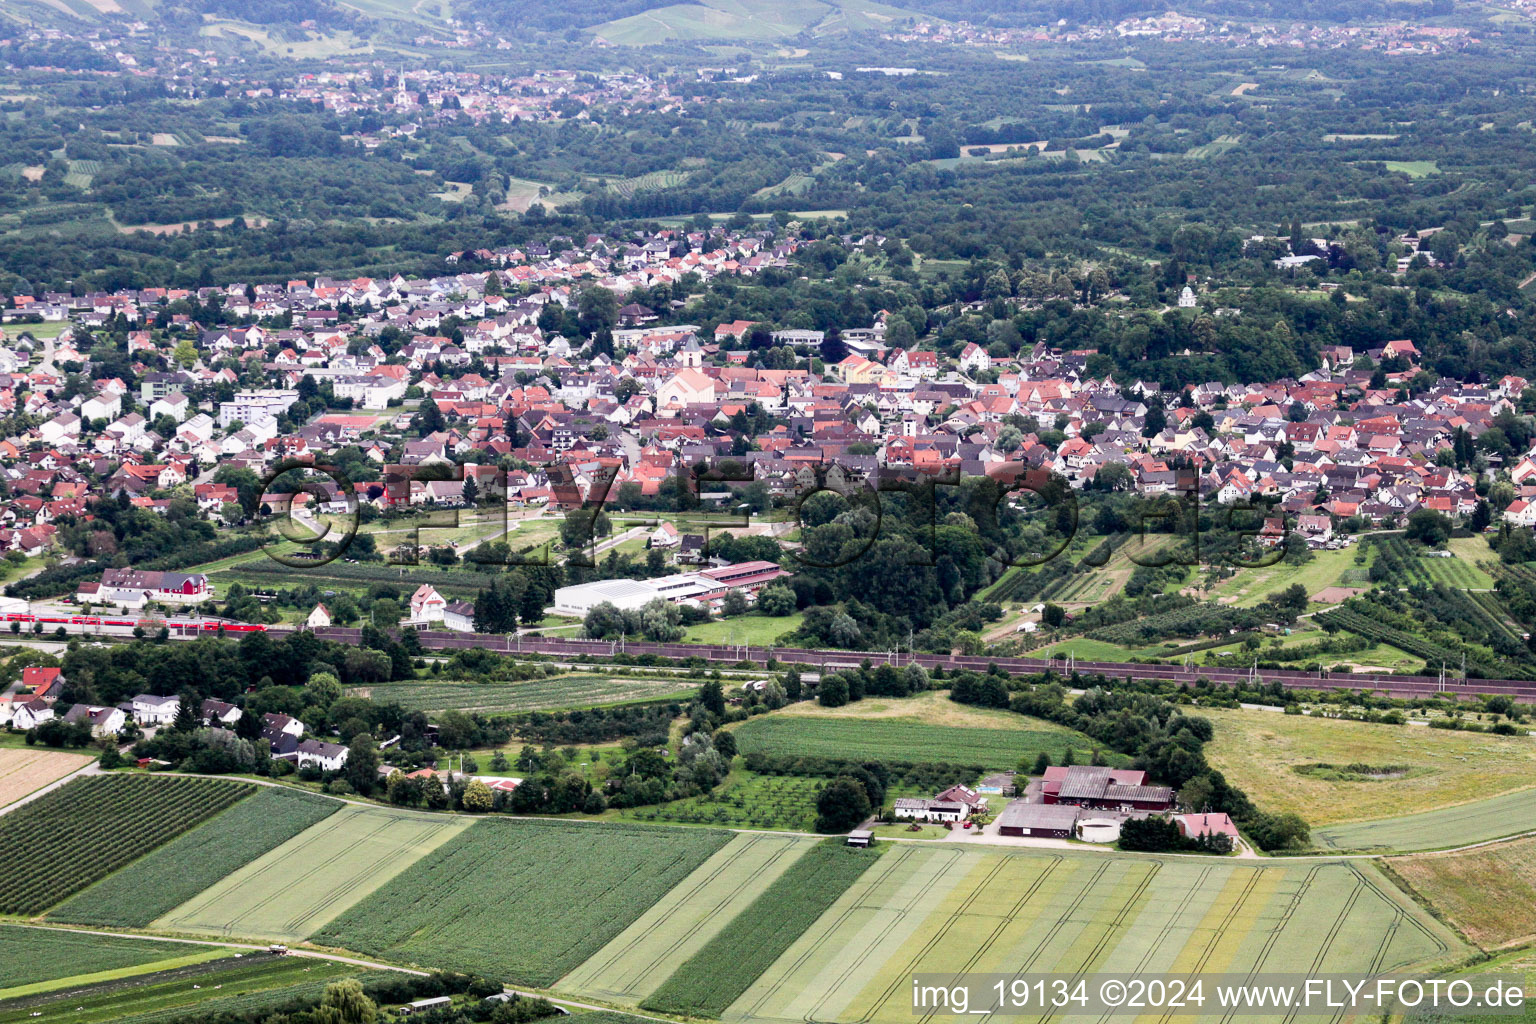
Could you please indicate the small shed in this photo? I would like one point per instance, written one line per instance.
(861, 837)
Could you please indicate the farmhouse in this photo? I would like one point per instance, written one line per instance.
(32, 713)
(1121, 789)
(42, 682)
(217, 713)
(328, 757)
(427, 605)
(319, 617)
(103, 721)
(149, 709)
(1194, 826)
(918, 809)
(274, 725)
(1040, 821)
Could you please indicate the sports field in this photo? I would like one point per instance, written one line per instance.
(1472, 822)
(1488, 892)
(25, 770)
(289, 893)
(939, 908)
(1260, 751)
(925, 728)
(642, 956)
(526, 901)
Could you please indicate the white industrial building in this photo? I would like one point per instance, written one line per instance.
(707, 587)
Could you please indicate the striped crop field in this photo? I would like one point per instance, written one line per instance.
(1458, 825)
(292, 891)
(575, 691)
(662, 939)
(939, 908)
(83, 831)
(526, 901)
(158, 883)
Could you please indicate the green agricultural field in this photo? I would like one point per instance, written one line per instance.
(288, 893)
(1251, 586)
(910, 740)
(574, 691)
(81, 832)
(1266, 754)
(522, 900)
(252, 982)
(33, 955)
(745, 800)
(757, 630)
(1413, 168)
(941, 908)
(739, 953)
(1474, 822)
(160, 882)
(1487, 893)
(662, 939)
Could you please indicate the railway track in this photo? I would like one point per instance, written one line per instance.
(831, 660)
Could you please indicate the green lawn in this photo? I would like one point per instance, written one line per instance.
(757, 630)
(1251, 586)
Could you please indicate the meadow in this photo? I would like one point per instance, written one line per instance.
(757, 630)
(1487, 893)
(1456, 825)
(227, 986)
(1260, 751)
(556, 692)
(33, 955)
(935, 907)
(63, 841)
(522, 900)
(25, 770)
(912, 730)
(158, 883)
(287, 894)
(739, 953)
(677, 926)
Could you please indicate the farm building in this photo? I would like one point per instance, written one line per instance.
(1196, 825)
(860, 837)
(1104, 788)
(133, 588)
(918, 809)
(1039, 821)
